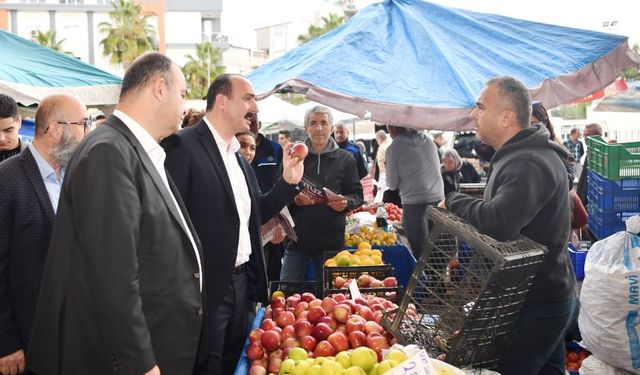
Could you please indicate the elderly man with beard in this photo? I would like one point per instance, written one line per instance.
(29, 194)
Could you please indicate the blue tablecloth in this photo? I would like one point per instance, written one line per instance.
(398, 256)
(243, 364)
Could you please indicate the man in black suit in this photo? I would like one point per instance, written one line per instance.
(121, 289)
(227, 207)
(29, 195)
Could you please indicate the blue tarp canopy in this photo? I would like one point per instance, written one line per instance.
(29, 72)
(413, 63)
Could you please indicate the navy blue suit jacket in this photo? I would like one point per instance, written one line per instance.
(26, 221)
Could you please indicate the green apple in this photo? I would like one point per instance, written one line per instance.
(287, 366)
(314, 370)
(354, 370)
(374, 370)
(320, 360)
(386, 365)
(344, 359)
(331, 368)
(364, 358)
(302, 368)
(298, 354)
(394, 354)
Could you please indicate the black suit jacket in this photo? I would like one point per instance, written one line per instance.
(120, 288)
(196, 166)
(26, 220)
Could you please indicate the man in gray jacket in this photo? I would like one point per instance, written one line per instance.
(527, 194)
(413, 168)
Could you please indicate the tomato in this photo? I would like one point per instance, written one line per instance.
(572, 366)
(572, 357)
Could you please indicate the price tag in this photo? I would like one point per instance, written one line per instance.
(353, 289)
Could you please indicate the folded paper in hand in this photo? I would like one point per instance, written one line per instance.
(282, 222)
(316, 192)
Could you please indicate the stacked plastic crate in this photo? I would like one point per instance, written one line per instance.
(613, 185)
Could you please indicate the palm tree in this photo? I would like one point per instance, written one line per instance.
(128, 34)
(202, 69)
(329, 23)
(48, 39)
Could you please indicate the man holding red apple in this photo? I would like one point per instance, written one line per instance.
(227, 208)
(320, 227)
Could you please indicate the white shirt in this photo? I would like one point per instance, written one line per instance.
(240, 191)
(157, 155)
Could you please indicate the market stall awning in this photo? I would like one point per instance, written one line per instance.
(29, 72)
(413, 63)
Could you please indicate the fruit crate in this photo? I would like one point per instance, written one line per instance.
(614, 161)
(380, 272)
(469, 317)
(605, 223)
(292, 287)
(612, 195)
(392, 294)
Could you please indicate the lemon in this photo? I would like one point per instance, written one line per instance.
(364, 246)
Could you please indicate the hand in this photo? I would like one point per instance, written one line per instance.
(278, 237)
(338, 203)
(303, 200)
(12, 364)
(154, 371)
(292, 168)
(442, 204)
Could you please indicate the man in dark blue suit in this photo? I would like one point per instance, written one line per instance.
(224, 201)
(29, 195)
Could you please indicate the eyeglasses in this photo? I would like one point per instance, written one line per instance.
(85, 123)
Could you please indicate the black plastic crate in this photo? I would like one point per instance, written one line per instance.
(468, 312)
(292, 287)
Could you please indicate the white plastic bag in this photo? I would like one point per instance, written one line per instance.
(610, 299)
(593, 366)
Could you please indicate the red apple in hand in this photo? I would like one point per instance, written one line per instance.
(299, 151)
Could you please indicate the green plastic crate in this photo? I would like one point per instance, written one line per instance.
(614, 161)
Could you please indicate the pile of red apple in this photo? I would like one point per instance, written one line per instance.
(367, 284)
(321, 327)
(394, 213)
(366, 281)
